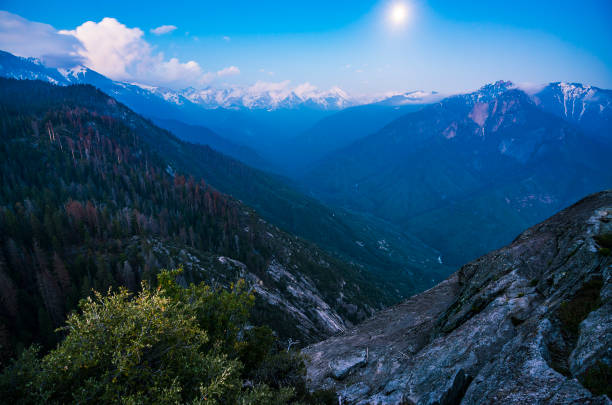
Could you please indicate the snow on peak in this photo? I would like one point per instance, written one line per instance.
(73, 72)
(575, 98)
(167, 94)
(497, 88)
(35, 61)
(268, 95)
(574, 90)
(489, 92)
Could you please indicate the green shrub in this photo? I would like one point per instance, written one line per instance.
(163, 345)
(145, 349)
(221, 313)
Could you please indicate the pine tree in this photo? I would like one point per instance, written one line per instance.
(61, 273)
(50, 292)
(8, 292)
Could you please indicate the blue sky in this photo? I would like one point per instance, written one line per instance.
(447, 46)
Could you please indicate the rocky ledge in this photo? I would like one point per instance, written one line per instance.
(530, 323)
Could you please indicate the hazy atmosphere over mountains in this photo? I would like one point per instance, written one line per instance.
(286, 203)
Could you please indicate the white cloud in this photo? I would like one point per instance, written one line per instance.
(32, 39)
(530, 88)
(305, 90)
(108, 47)
(226, 38)
(111, 48)
(163, 29)
(120, 52)
(228, 71)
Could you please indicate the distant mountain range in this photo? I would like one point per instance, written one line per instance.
(588, 106)
(467, 173)
(261, 96)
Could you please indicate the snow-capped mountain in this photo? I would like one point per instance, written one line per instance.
(489, 91)
(28, 69)
(588, 107)
(269, 97)
(573, 100)
(260, 96)
(476, 164)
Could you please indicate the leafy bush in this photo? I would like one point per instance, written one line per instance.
(165, 345)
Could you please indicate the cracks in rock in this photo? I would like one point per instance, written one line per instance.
(567, 318)
(454, 395)
(478, 305)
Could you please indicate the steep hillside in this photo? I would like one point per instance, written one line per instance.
(528, 323)
(87, 201)
(203, 136)
(468, 173)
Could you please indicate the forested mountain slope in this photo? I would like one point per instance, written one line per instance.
(203, 136)
(89, 201)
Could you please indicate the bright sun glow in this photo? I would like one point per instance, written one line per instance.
(398, 13)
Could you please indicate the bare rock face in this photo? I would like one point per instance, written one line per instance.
(528, 323)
